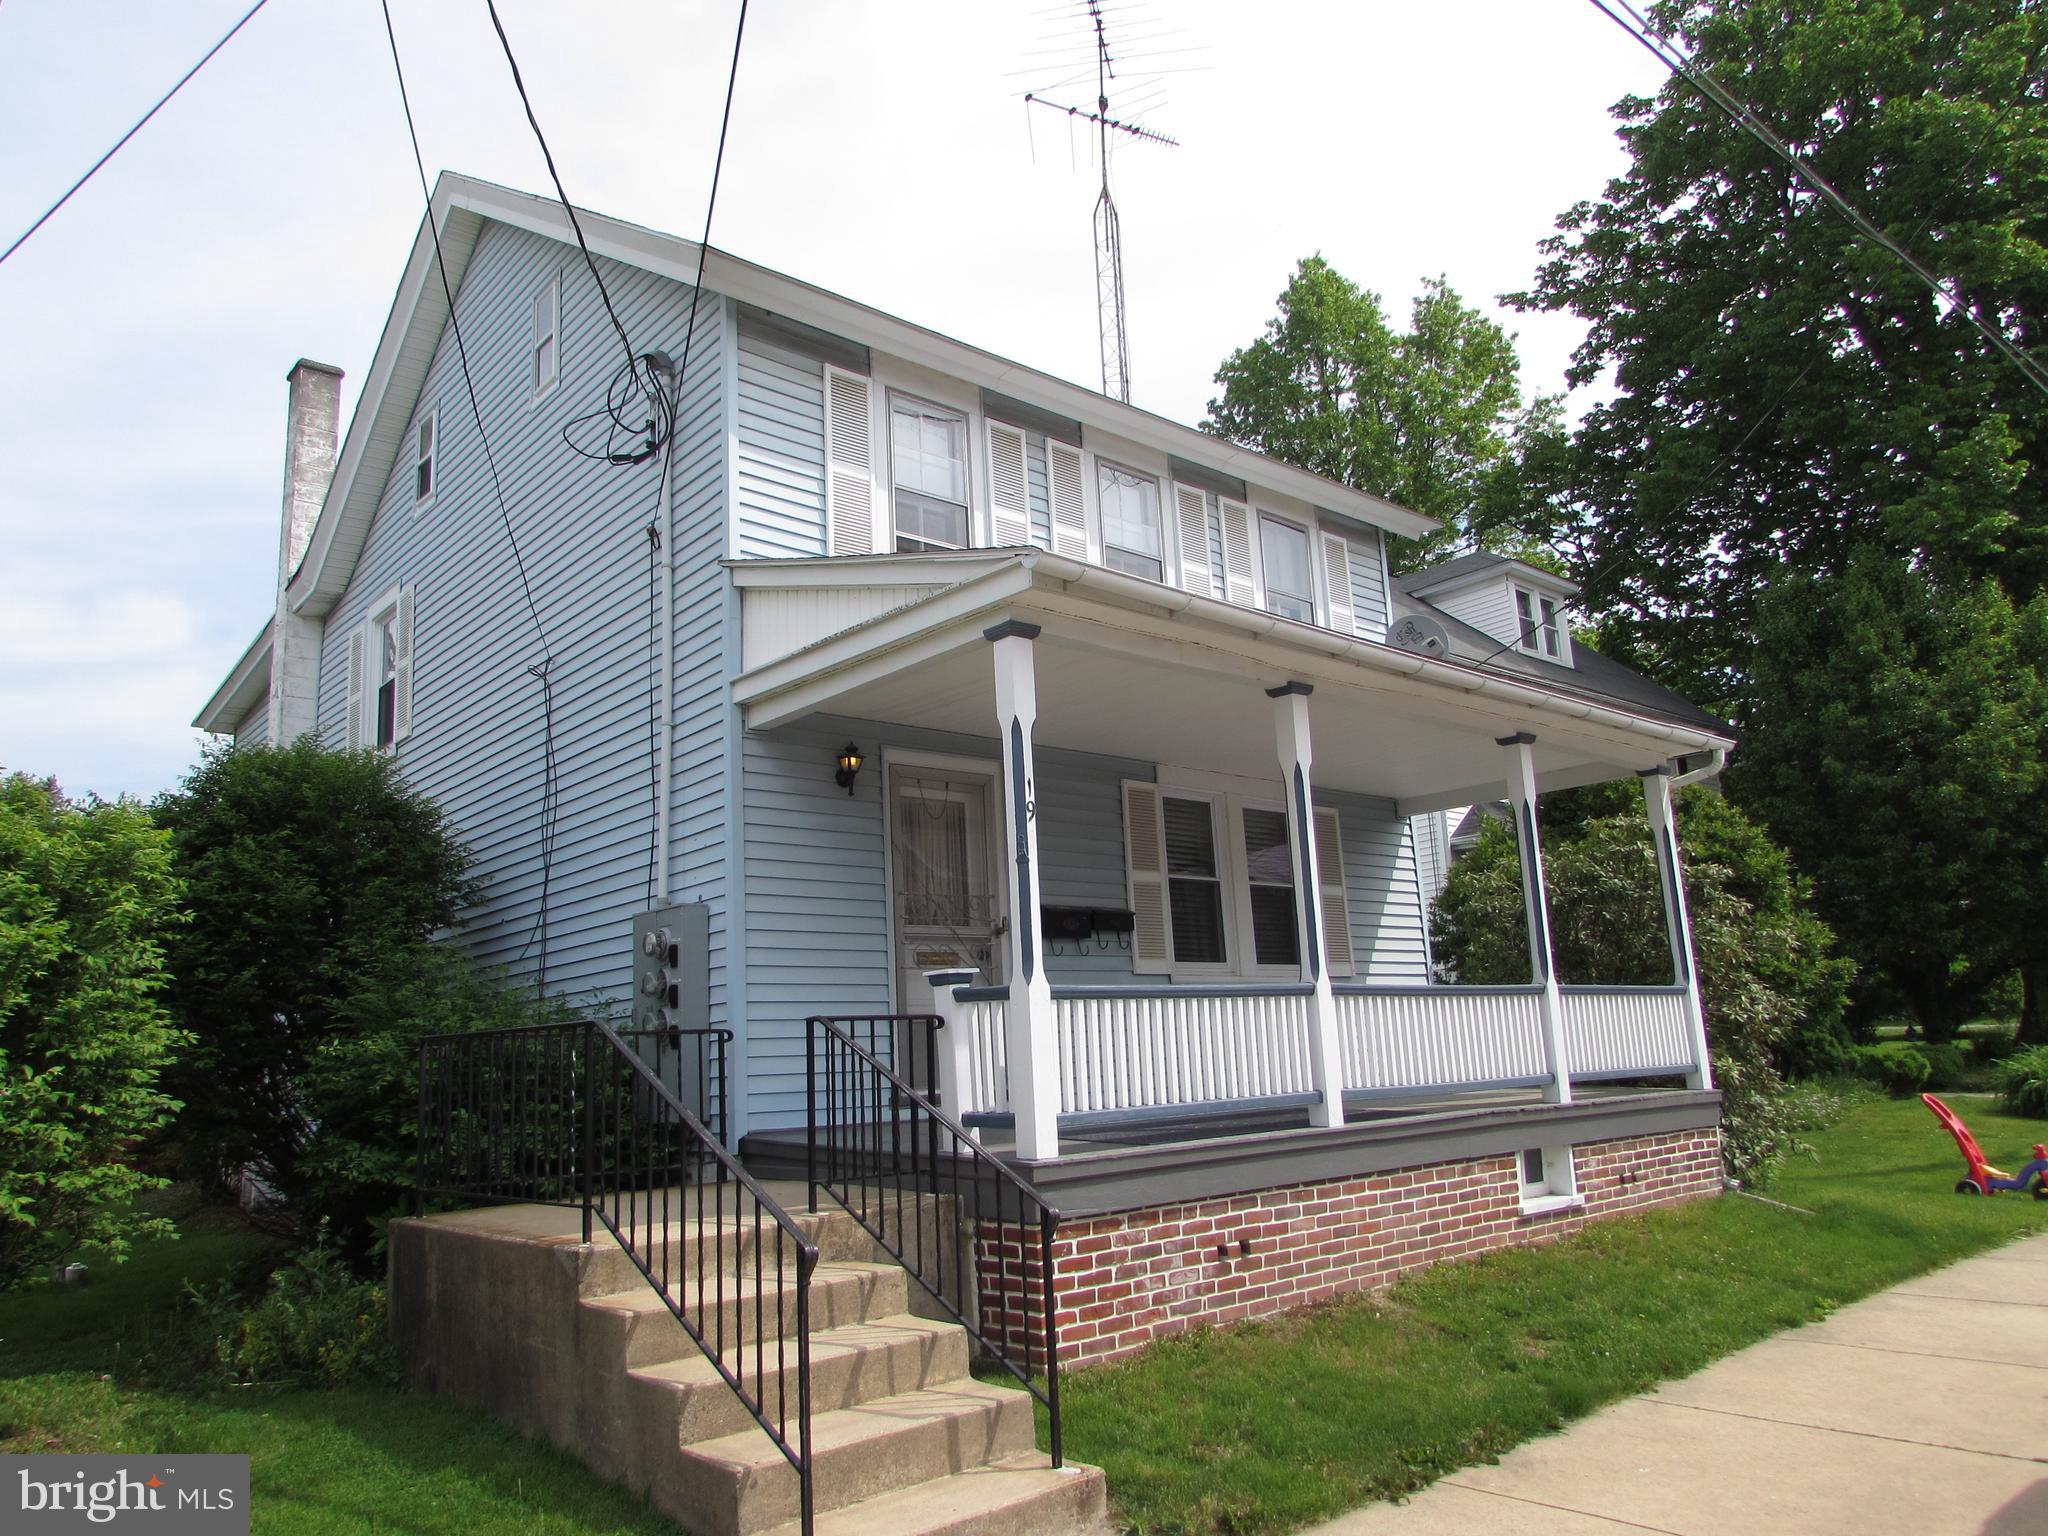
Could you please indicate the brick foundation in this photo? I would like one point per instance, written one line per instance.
(1136, 1276)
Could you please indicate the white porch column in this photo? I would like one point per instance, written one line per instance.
(1677, 921)
(1536, 903)
(1325, 1057)
(1028, 1032)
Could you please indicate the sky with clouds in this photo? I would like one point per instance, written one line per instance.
(879, 149)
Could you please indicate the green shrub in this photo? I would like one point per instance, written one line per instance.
(2022, 1080)
(1992, 1048)
(1947, 1067)
(1899, 1073)
(1772, 985)
(315, 1324)
(87, 899)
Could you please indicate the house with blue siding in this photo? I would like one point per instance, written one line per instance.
(939, 689)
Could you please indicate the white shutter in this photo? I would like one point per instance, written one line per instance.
(1237, 552)
(1009, 491)
(358, 666)
(1069, 510)
(1337, 582)
(849, 465)
(1330, 875)
(401, 706)
(1145, 870)
(1192, 515)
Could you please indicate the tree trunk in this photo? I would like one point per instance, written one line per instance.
(2034, 1003)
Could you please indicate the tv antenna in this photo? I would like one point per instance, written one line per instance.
(1109, 247)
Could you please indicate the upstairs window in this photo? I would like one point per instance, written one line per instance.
(1290, 576)
(1536, 617)
(425, 446)
(380, 673)
(1133, 540)
(928, 454)
(384, 642)
(547, 326)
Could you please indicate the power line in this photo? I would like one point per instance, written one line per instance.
(542, 671)
(1745, 118)
(92, 170)
(575, 224)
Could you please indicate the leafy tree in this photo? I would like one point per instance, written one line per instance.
(1770, 984)
(1432, 418)
(1786, 390)
(1900, 750)
(87, 897)
(315, 881)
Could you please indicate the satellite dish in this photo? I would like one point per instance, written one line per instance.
(1416, 633)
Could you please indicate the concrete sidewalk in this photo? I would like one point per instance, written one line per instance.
(1921, 1410)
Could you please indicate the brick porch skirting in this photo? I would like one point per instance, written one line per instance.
(1135, 1276)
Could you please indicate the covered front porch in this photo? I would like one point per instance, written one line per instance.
(1250, 985)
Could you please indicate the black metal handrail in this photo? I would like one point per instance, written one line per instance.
(576, 1115)
(877, 1143)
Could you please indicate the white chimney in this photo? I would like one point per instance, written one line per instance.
(312, 428)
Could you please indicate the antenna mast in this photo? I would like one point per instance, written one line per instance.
(1109, 254)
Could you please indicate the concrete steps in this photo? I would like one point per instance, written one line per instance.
(508, 1310)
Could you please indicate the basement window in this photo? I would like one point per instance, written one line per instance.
(1549, 1181)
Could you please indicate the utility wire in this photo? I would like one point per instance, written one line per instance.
(1688, 72)
(92, 170)
(542, 671)
(575, 224)
(1675, 60)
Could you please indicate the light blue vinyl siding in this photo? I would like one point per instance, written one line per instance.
(1368, 588)
(818, 939)
(476, 745)
(1381, 892)
(781, 482)
(254, 729)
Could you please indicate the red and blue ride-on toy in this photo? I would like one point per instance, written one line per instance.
(1985, 1179)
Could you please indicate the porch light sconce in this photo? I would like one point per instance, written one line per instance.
(849, 766)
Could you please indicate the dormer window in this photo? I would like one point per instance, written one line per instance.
(1537, 617)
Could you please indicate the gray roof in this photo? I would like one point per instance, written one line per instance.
(1477, 563)
(1594, 676)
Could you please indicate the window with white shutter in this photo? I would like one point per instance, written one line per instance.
(1191, 514)
(1145, 878)
(1009, 490)
(1330, 876)
(358, 666)
(1237, 552)
(1069, 510)
(1337, 583)
(1133, 536)
(849, 465)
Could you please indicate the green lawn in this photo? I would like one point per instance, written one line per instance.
(1252, 1430)
(323, 1463)
(1270, 1427)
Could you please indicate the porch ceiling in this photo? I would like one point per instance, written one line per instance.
(1116, 679)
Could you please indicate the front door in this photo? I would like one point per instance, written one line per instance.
(941, 868)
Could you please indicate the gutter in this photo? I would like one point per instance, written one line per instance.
(1717, 760)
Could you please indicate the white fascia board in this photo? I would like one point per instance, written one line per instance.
(889, 570)
(247, 682)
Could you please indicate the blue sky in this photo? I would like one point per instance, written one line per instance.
(881, 150)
